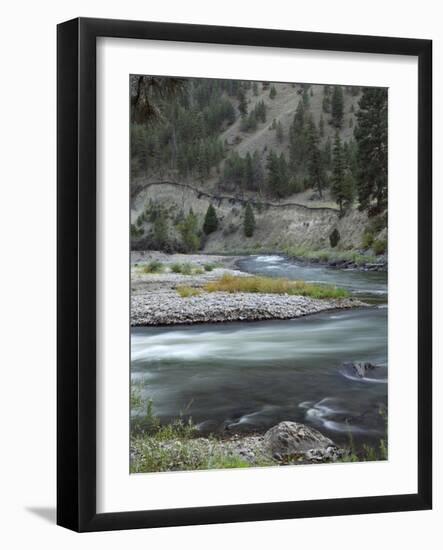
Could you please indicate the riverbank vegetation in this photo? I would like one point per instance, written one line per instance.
(329, 256)
(178, 446)
(273, 285)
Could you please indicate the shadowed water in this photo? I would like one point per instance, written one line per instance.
(249, 376)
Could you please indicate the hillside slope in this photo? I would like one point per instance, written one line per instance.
(302, 219)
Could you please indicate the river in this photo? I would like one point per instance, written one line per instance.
(247, 377)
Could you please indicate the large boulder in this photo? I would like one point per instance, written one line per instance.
(289, 438)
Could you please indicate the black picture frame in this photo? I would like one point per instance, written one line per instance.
(76, 281)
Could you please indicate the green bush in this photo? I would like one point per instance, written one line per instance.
(334, 238)
(186, 268)
(153, 267)
(368, 239)
(176, 267)
(211, 266)
(379, 246)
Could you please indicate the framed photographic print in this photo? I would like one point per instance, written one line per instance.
(244, 274)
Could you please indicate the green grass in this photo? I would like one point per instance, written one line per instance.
(271, 285)
(187, 291)
(171, 447)
(326, 255)
(211, 266)
(153, 267)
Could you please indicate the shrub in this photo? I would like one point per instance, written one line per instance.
(187, 291)
(153, 267)
(176, 267)
(211, 266)
(379, 246)
(368, 239)
(186, 268)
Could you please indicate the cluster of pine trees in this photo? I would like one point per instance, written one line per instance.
(187, 117)
(184, 135)
(244, 173)
(250, 121)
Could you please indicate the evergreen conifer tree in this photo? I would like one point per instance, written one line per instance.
(315, 166)
(337, 107)
(211, 221)
(338, 173)
(242, 105)
(249, 221)
(371, 135)
(272, 92)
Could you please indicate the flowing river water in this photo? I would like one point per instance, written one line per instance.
(247, 377)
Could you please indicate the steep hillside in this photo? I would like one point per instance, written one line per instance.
(282, 109)
(276, 146)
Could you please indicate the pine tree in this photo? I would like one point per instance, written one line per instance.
(371, 135)
(338, 172)
(249, 171)
(249, 221)
(255, 88)
(272, 92)
(297, 139)
(315, 166)
(211, 221)
(337, 107)
(242, 104)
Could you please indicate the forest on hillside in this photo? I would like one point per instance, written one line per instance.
(178, 126)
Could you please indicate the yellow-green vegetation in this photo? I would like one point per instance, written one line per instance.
(152, 267)
(367, 453)
(177, 449)
(187, 268)
(326, 255)
(175, 446)
(379, 246)
(271, 285)
(187, 291)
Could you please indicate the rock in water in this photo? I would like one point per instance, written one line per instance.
(359, 368)
(288, 438)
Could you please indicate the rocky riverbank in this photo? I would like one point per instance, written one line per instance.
(155, 300)
(283, 444)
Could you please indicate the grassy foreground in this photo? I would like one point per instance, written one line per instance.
(178, 447)
(271, 285)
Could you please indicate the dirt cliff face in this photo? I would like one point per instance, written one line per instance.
(278, 225)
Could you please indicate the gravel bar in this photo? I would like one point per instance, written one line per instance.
(168, 308)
